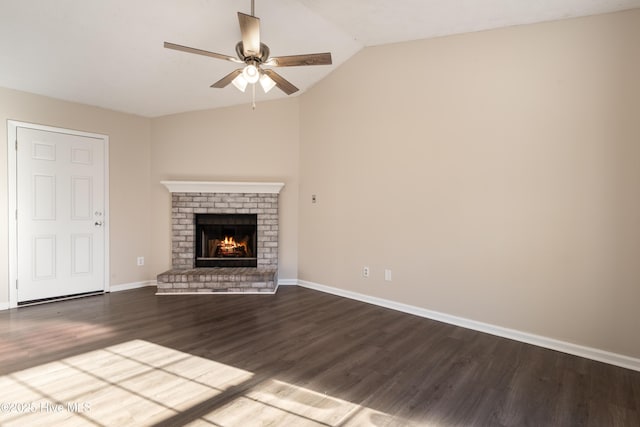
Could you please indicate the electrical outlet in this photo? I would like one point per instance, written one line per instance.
(387, 275)
(365, 271)
(140, 261)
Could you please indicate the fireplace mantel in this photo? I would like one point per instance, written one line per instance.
(223, 187)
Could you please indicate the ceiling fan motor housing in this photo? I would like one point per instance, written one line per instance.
(262, 56)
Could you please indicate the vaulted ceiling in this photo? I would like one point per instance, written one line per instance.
(109, 53)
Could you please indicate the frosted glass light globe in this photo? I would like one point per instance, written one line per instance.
(251, 73)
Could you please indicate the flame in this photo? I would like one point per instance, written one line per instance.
(230, 247)
(230, 244)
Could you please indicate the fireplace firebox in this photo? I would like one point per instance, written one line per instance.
(226, 240)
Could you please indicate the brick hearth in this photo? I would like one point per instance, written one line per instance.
(225, 279)
(217, 198)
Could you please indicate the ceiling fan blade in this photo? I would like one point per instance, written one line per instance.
(297, 60)
(200, 52)
(250, 28)
(282, 83)
(223, 82)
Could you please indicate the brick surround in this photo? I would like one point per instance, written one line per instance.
(184, 278)
(184, 206)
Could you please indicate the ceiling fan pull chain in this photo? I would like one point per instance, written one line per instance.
(253, 104)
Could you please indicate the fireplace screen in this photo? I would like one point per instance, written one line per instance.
(226, 240)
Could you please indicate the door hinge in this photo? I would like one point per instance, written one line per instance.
(16, 214)
(16, 283)
(16, 145)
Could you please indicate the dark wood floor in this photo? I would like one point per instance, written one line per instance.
(296, 358)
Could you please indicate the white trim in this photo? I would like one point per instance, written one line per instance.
(133, 285)
(12, 134)
(287, 282)
(553, 344)
(222, 187)
(107, 217)
(12, 180)
(4, 306)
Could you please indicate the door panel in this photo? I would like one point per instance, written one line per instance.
(60, 214)
(81, 197)
(44, 197)
(81, 254)
(43, 151)
(44, 257)
(82, 156)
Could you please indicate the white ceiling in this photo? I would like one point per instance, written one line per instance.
(109, 53)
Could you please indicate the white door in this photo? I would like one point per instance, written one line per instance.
(60, 202)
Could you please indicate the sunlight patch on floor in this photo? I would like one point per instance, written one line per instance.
(133, 383)
(140, 383)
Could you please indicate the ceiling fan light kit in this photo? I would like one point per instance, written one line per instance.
(251, 73)
(267, 83)
(240, 83)
(255, 54)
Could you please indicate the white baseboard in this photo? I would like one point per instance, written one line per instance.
(4, 306)
(287, 282)
(553, 344)
(132, 285)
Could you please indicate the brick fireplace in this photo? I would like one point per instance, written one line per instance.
(221, 199)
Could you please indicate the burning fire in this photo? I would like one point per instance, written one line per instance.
(229, 247)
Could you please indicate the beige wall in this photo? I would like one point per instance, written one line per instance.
(496, 173)
(228, 144)
(129, 144)
(204, 145)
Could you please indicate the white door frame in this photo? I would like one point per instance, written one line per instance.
(12, 136)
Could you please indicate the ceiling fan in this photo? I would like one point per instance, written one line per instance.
(255, 54)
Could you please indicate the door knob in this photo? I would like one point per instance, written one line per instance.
(98, 224)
